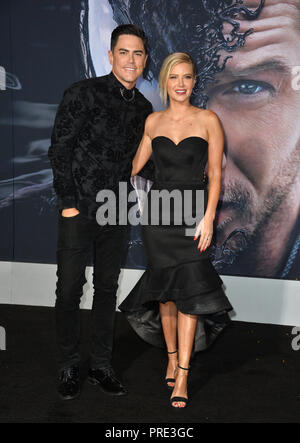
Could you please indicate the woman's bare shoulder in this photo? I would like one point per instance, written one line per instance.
(206, 114)
(209, 119)
(154, 116)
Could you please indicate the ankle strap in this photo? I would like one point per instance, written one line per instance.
(185, 369)
(173, 352)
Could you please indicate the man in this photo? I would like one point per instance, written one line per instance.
(258, 223)
(97, 130)
(259, 109)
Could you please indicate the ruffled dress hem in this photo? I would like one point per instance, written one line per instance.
(203, 297)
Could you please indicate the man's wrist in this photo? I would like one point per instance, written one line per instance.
(69, 212)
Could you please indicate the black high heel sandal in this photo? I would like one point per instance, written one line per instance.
(170, 380)
(180, 399)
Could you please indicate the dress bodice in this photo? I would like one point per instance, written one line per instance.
(183, 162)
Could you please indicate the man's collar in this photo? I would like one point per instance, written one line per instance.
(116, 83)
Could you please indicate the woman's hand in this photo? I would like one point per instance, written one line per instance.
(205, 230)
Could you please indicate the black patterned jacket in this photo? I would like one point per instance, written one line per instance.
(95, 136)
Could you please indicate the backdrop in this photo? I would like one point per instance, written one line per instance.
(247, 56)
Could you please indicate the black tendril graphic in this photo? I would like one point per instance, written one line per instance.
(224, 255)
(197, 27)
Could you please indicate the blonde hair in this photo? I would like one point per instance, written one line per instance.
(168, 64)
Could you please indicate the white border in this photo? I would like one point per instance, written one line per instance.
(258, 300)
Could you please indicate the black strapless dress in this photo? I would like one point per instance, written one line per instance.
(176, 270)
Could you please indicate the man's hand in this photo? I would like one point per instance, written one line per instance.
(70, 212)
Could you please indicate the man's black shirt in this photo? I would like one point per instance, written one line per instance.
(95, 137)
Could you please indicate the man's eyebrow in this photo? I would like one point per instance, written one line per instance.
(127, 50)
(266, 65)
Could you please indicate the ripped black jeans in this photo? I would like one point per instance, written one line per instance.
(76, 236)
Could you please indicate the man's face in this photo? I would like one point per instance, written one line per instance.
(260, 112)
(128, 59)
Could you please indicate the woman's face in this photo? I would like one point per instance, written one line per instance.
(181, 82)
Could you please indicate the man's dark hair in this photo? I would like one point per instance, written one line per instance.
(128, 29)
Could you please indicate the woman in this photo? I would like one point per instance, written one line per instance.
(180, 293)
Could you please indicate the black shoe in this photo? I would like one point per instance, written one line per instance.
(180, 399)
(171, 380)
(107, 381)
(69, 387)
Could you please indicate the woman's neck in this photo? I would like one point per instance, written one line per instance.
(178, 110)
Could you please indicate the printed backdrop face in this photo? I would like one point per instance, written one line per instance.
(248, 64)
